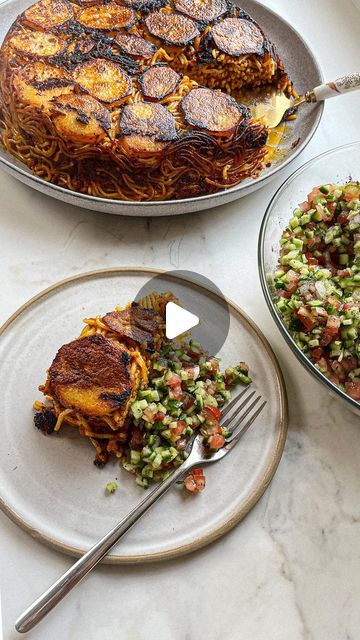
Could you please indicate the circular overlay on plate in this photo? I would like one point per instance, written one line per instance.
(207, 317)
(49, 484)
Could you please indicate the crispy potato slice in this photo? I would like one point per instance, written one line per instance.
(237, 37)
(202, 10)
(149, 119)
(36, 44)
(173, 28)
(47, 14)
(135, 45)
(146, 5)
(158, 81)
(212, 110)
(143, 145)
(38, 83)
(106, 17)
(104, 80)
(80, 118)
(92, 375)
(137, 325)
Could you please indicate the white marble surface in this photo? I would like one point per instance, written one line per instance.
(291, 570)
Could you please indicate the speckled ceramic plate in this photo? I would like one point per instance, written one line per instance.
(305, 73)
(49, 485)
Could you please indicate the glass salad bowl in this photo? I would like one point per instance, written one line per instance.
(338, 165)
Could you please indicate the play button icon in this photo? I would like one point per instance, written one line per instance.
(178, 320)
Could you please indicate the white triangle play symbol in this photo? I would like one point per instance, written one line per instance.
(178, 320)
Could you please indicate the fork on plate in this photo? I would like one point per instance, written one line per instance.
(239, 416)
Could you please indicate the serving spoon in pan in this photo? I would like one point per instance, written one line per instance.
(273, 108)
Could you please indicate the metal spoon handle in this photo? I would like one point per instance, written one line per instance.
(334, 88)
(50, 598)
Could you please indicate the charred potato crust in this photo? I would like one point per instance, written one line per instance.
(80, 118)
(36, 44)
(238, 37)
(172, 28)
(202, 10)
(149, 119)
(92, 375)
(104, 80)
(137, 325)
(212, 110)
(135, 45)
(38, 83)
(158, 81)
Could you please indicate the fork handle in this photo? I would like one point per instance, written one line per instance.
(50, 598)
(334, 88)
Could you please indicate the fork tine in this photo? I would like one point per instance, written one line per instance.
(238, 407)
(239, 434)
(233, 402)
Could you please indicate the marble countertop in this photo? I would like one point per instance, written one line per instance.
(291, 569)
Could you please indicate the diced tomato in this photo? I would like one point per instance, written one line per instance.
(304, 206)
(283, 293)
(353, 389)
(159, 416)
(194, 483)
(333, 325)
(316, 353)
(213, 429)
(149, 415)
(198, 472)
(349, 363)
(310, 258)
(216, 441)
(331, 207)
(174, 382)
(343, 217)
(178, 430)
(315, 192)
(306, 318)
(352, 192)
(292, 279)
(334, 302)
(211, 414)
(325, 339)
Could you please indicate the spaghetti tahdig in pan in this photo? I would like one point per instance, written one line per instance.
(136, 99)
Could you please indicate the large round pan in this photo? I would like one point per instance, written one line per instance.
(305, 73)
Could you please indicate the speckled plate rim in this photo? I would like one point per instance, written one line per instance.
(216, 199)
(259, 488)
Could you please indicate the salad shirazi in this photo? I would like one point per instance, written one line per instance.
(317, 282)
(137, 395)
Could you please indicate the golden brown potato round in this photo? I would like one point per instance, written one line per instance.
(135, 45)
(92, 375)
(80, 119)
(143, 145)
(158, 81)
(104, 80)
(36, 44)
(202, 10)
(212, 110)
(37, 83)
(47, 14)
(106, 17)
(173, 28)
(237, 37)
(148, 119)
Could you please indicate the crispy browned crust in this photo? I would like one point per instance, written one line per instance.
(238, 37)
(106, 17)
(148, 118)
(136, 325)
(104, 80)
(158, 81)
(38, 83)
(80, 118)
(47, 14)
(172, 28)
(92, 375)
(204, 11)
(135, 45)
(36, 44)
(212, 110)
